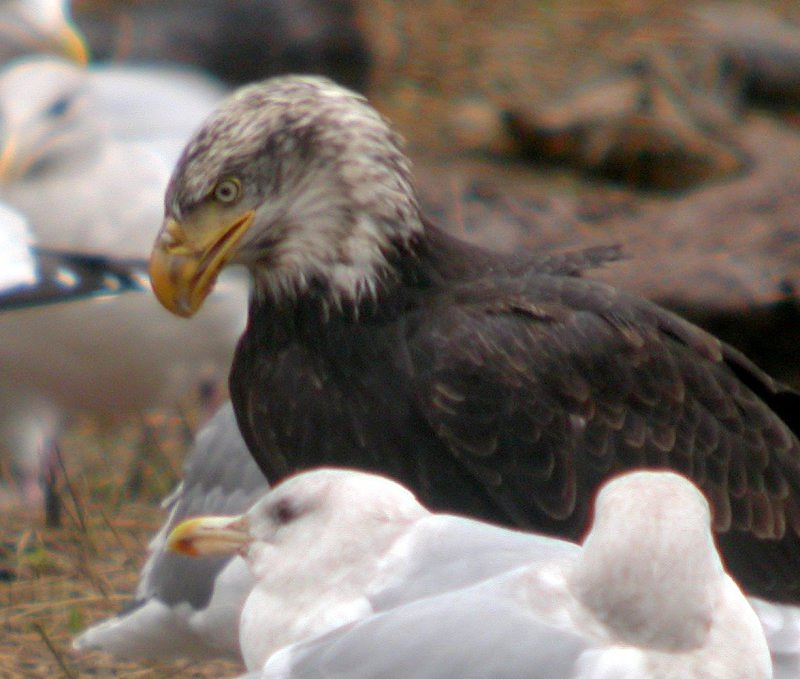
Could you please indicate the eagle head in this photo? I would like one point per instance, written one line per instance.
(299, 180)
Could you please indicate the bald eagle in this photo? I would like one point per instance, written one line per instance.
(502, 386)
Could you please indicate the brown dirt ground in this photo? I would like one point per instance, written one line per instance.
(56, 581)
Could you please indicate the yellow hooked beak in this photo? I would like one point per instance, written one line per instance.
(210, 536)
(185, 262)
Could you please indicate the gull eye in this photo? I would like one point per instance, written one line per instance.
(284, 511)
(228, 190)
(58, 108)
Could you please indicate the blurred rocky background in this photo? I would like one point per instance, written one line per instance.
(670, 127)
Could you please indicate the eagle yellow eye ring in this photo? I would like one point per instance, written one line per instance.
(227, 190)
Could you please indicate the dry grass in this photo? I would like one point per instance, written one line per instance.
(56, 581)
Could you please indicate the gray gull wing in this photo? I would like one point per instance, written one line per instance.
(190, 607)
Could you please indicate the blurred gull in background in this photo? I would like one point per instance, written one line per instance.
(160, 104)
(31, 278)
(38, 26)
(82, 160)
(85, 185)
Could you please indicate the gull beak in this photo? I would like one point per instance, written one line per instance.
(60, 37)
(73, 45)
(183, 267)
(210, 536)
(19, 151)
(9, 165)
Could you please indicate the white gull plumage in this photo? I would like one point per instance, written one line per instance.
(17, 260)
(405, 592)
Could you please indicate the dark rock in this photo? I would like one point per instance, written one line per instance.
(237, 40)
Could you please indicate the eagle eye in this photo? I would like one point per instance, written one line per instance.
(227, 190)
